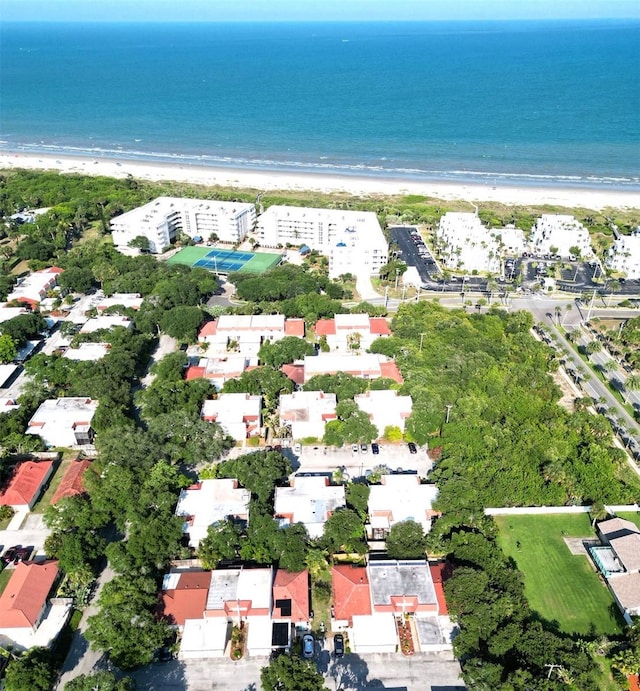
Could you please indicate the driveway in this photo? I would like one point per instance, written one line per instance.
(33, 533)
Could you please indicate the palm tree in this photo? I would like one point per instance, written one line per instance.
(632, 383)
(567, 308)
(614, 287)
(558, 311)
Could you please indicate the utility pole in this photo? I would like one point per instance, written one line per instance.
(386, 296)
(448, 407)
(422, 335)
(593, 299)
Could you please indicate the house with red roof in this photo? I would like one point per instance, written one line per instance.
(25, 485)
(363, 365)
(291, 596)
(27, 618)
(219, 370)
(32, 289)
(351, 332)
(71, 483)
(239, 414)
(351, 593)
(184, 596)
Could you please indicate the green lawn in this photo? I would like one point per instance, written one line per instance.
(633, 517)
(559, 585)
(4, 579)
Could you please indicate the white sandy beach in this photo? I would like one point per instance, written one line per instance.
(267, 180)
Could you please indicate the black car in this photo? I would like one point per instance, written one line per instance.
(375, 449)
(338, 645)
(413, 449)
(22, 554)
(9, 555)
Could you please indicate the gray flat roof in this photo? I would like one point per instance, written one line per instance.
(397, 578)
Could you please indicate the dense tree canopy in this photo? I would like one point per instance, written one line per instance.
(290, 673)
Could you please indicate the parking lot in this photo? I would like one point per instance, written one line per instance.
(32, 534)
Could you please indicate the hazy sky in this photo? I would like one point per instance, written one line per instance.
(295, 10)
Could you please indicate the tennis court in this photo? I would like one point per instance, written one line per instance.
(225, 261)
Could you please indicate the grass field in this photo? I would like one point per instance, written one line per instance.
(560, 586)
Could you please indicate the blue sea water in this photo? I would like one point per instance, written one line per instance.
(553, 103)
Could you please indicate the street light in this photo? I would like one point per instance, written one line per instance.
(448, 407)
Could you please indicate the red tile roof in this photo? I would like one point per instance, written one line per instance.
(71, 483)
(351, 593)
(439, 573)
(379, 326)
(195, 372)
(634, 682)
(25, 483)
(188, 599)
(325, 327)
(294, 327)
(26, 594)
(294, 587)
(391, 371)
(209, 329)
(294, 372)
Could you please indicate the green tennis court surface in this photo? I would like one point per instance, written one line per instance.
(226, 261)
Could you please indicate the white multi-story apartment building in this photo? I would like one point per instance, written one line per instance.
(561, 232)
(624, 256)
(353, 240)
(161, 220)
(466, 244)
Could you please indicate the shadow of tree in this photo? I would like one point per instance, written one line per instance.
(162, 675)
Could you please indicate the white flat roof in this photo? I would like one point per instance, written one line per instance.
(204, 637)
(87, 352)
(6, 371)
(374, 630)
(105, 321)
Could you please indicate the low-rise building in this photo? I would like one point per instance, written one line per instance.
(466, 244)
(385, 408)
(399, 498)
(624, 256)
(130, 300)
(106, 322)
(25, 485)
(7, 313)
(510, 240)
(72, 482)
(365, 366)
(560, 234)
(64, 421)
(162, 220)
(351, 594)
(245, 333)
(239, 414)
(307, 412)
(34, 288)
(291, 598)
(219, 370)
(351, 332)
(353, 240)
(27, 618)
(87, 352)
(310, 501)
(208, 502)
(402, 587)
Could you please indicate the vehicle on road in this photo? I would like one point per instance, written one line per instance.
(413, 449)
(338, 645)
(354, 448)
(9, 555)
(308, 646)
(363, 448)
(375, 449)
(297, 449)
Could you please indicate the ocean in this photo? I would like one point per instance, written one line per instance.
(493, 102)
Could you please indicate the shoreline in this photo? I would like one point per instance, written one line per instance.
(269, 181)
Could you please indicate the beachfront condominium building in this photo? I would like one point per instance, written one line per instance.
(624, 256)
(466, 244)
(560, 234)
(163, 219)
(353, 240)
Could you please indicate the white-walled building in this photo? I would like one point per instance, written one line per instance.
(161, 220)
(511, 240)
(239, 414)
(107, 322)
(466, 244)
(131, 300)
(7, 313)
(385, 408)
(624, 256)
(352, 332)
(245, 333)
(64, 421)
(87, 352)
(208, 502)
(309, 500)
(220, 370)
(34, 288)
(563, 233)
(363, 365)
(307, 412)
(353, 240)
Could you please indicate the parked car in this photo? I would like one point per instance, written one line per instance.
(413, 449)
(375, 449)
(363, 448)
(297, 449)
(22, 554)
(10, 555)
(338, 645)
(308, 646)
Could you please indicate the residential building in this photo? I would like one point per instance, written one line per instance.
(208, 502)
(7, 313)
(8, 374)
(239, 414)
(351, 594)
(619, 561)
(245, 333)
(34, 288)
(466, 244)
(402, 587)
(385, 408)
(87, 352)
(365, 366)
(399, 498)
(72, 483)
(25, 485)
(162, 220)
(219, 370)
(624, 256)
(307, 412)
(310, 501)
(291, 597)
(560, 234)
(27, 618)
(351, 332)
(64, 421)
(184, 596)
(353, 240)
(510, 240)
(106, 322)
(130, 300)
